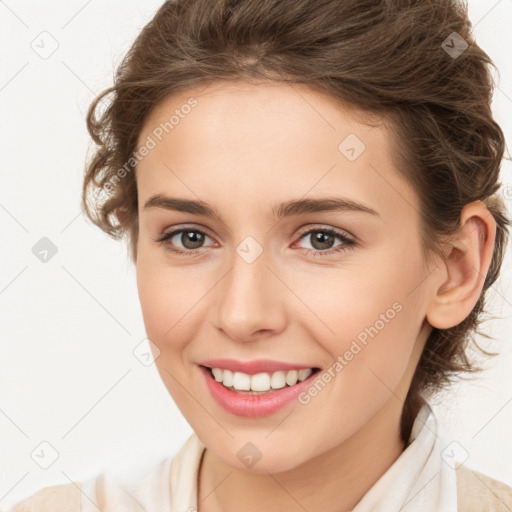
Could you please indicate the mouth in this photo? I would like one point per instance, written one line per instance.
(262, 383)
(257, 394)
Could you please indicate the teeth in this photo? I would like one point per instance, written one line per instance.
(278, 380)
(217, 374)
(227, 377)
(291, 378)
(304, 374)
(260, 381)
(242, 381)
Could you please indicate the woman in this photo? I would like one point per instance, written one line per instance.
(310, 194)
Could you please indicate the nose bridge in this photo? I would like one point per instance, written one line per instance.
(249, 300)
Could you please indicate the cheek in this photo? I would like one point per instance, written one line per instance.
(370, 320)
(171, 302)
(161, 298)
(164, 304)
(349, 301)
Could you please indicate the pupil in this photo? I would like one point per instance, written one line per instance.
(192, 239)
(323, 239)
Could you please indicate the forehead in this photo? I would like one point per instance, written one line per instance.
(272, 142)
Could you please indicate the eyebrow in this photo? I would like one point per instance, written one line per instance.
(279, 211)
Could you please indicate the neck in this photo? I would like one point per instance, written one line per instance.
(331, 482)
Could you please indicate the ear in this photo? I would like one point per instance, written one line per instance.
(467, 260)
(120, 213)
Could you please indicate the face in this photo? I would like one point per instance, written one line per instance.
(338, 289)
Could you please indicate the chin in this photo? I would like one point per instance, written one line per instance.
(268, 456)
(274, 464)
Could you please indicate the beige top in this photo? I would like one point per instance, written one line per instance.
(426, 477)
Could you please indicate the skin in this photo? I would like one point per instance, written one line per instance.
(243, 148)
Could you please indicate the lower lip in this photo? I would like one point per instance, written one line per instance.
(252, 406)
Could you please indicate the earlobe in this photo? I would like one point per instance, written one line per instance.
(467, 262)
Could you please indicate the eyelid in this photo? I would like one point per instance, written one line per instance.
(186, 227)
(326, 227)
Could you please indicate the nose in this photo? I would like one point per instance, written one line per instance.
(250, 301)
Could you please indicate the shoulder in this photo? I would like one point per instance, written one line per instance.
(477, 492)
(54, 498)
(108, 491)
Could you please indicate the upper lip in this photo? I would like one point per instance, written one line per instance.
(254, 366)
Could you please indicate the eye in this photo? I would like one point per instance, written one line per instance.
(191, 240)
(322, 240)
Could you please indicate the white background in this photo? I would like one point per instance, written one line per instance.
(69, 326)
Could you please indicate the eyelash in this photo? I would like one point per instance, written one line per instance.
(347, 244)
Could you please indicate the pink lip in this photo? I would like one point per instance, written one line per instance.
(254, 405)
(252, 367)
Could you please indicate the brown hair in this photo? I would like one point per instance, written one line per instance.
(387, 57)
